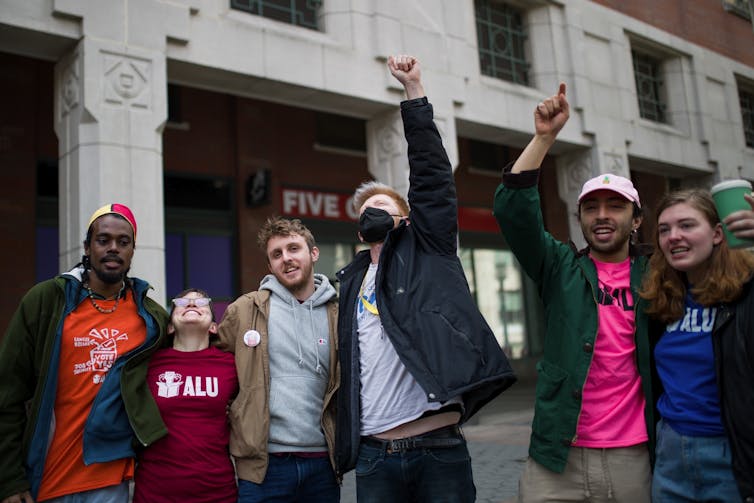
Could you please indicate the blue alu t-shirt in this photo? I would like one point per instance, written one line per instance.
(686, 365)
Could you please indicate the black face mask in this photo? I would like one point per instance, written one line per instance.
(374, 224)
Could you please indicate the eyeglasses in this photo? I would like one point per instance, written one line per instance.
(198, 302)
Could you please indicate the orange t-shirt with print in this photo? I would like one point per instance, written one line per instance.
(91, 342)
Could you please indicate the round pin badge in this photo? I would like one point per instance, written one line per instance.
(251, 338)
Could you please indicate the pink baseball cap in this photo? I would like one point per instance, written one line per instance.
(614, 183)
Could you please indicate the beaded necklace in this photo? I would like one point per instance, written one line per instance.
(100, 308)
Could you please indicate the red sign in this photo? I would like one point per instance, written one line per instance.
(477, 220)
(306, 203)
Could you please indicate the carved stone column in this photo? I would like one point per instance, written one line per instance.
(388, 150)
(110, 108)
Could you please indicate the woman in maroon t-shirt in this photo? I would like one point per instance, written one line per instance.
(192, 382)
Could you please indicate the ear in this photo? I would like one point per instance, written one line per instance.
(360, 238)
(315, 254)
(171, 328)
(717, 234)
(636, 223)
(212, 328)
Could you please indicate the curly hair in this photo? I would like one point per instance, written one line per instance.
(665, 287)
(372, 188)
(279, 226)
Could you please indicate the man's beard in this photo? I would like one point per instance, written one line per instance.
(110, 278)
(296, 286)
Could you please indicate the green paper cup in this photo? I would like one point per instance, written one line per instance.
(729, 197)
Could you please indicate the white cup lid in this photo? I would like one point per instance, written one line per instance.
(730, 184)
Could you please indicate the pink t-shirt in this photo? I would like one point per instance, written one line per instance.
(191, 463)
(612, 409)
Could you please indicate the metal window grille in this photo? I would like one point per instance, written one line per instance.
(501, 37)
(648, 85)
(747, 115)
(743, 8)
(296, 12)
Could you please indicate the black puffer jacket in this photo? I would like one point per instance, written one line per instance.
(426, 307)
(733, 343)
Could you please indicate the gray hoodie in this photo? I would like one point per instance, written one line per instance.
(299, 365)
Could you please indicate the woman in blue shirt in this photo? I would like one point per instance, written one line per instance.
(700, 291)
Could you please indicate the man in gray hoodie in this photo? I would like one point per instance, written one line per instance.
(284, 339)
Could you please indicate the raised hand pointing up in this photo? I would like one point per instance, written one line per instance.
(552, 113)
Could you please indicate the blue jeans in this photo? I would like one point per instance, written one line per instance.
(110, 494)
(433, 475)
(291, 479)
(691, 469)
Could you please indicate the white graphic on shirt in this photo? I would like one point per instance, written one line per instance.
(102, 355)
(695, 320)
(169, 385)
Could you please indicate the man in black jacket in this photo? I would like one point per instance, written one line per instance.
(417, 357)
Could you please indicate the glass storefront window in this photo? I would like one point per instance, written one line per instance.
(494, 278)
(333, 256)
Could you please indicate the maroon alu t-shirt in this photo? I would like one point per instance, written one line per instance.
(191, 463)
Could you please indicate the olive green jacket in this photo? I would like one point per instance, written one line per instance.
(124, 413)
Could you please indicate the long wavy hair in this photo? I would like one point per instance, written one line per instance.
(728, 270)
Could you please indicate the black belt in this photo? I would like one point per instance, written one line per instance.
(445, 437)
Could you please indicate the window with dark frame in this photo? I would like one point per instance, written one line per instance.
(296, 12)
(488, 158)
(175, 114)
(46, 247)
(742, 8)
(197, 192)
(649, 83)
(501, 37)
(199, 236)
(340, 132)
(746, 98)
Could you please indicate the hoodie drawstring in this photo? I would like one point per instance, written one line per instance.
(318, 369)
(298, 336)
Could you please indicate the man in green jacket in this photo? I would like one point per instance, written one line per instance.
(593, 427)
(73, 394)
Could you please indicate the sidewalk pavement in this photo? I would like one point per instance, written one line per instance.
(498, 440)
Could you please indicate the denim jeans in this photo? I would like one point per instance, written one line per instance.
(433, 475)
(691, 469)
(292, 479)
(117, 493)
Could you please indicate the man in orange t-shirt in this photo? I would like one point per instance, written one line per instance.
(73, 394)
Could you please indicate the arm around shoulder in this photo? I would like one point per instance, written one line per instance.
(228, 327)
